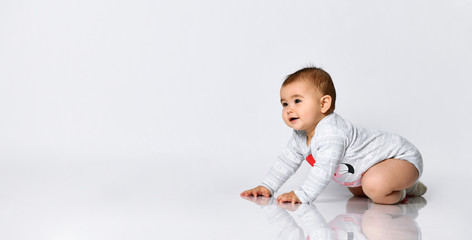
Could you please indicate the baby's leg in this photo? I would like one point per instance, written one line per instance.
(384, 181)
(357, 191)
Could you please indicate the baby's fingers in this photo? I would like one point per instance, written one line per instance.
(260, 193)
(256, 192)
(249, 193)
(246, 193)
(281, 199)
(287, 198)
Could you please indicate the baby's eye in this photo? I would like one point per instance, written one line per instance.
(284, 104)
(298, 101)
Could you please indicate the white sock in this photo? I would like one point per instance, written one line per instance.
(416, 190)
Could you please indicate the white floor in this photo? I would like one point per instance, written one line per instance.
(131, 199)
(146, 119)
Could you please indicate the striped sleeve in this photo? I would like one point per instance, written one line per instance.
(285, 166)
(328, 150)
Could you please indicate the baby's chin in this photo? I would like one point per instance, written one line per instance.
(295, 127)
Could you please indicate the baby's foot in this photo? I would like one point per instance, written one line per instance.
(418, 189)
(413, 205)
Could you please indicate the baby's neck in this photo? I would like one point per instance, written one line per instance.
(311, 132)
(309, 136)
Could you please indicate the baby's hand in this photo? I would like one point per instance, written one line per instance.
(288, 197)
(257, 191)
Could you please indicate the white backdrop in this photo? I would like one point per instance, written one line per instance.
(188, 91)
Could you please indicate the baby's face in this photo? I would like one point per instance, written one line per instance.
(301, 104)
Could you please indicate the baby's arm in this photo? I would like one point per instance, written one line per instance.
(287, 163)
(328, 152)
(285, 166)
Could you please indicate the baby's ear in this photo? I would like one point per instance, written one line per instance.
(326, 101)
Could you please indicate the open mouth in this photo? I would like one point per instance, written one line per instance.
(293, 119)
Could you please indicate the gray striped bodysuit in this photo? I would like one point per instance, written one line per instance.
(338, 150)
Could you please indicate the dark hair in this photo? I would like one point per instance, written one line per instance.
(319, 78)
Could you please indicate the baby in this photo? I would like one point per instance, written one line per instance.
(382, 166)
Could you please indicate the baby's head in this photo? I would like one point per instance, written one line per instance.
(307, 96)
(316, 77)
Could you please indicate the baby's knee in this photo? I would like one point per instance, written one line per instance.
(375, 187)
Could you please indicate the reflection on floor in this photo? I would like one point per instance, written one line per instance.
(362, 219)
